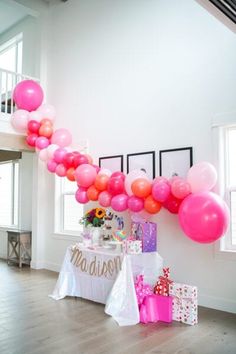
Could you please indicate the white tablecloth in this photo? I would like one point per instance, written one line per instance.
(95, 275)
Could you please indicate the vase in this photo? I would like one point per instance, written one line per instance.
(95, 236)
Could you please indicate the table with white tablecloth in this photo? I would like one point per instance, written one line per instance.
(106, 276)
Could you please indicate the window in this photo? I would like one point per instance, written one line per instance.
(11, 54)
(9, 194)
(67, 210)
(228, 177)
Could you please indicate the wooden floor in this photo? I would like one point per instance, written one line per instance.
(33, 323)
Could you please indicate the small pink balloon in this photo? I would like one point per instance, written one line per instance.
(31, 139)
(104, 199)
(28, 95)
(81, 195)
(119, 202)
(161, 191)
(43, 155)
(85, 175)
(61, 137)
(61, 170)
(115, 185)
(47, 111)
(59, 154)
(41, 142)
(180, 188)
(118, 174)
(160, 179)
(135, 204)
(51, 166)
(51, 149)
(19, 120)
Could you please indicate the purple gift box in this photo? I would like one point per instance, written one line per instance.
(147, 233)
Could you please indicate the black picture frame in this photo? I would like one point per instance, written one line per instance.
(143, 161)
(175, 162)
(112, 163)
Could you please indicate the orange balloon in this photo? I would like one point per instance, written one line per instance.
(92, 193)
(46, 130)
(101, 182)
(46, 121)
(70, 174)
(151, 205)
(90, 159)
(141, 187)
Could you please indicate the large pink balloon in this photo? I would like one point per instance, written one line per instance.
(104, 199)
(61, 137)
(119, 202)
(135, 204)
(202, 177)
(85, 175)
(160, 190)
(204, 217)
(28, 95)
(81, 195)
(19, 120)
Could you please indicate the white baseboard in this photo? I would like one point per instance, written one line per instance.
(217, 303)
(45, 265)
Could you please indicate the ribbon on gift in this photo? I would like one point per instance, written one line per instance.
(142, 290)
(162, 286)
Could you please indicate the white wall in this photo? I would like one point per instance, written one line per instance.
(142, 75)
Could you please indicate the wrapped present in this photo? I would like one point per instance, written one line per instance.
(147, 233)
(156, 308)
(142, 290)
(162, 286)
(185, 304)
(132, 246)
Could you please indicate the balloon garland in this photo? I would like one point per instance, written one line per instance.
(203, 215)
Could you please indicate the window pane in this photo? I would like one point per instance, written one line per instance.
(231, 157)
(73, 211)
(19, 57)
(8, 59)
(6, 194)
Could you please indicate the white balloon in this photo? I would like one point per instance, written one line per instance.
(202, 177)
(35, 115)
(48, 111)
(51, 149)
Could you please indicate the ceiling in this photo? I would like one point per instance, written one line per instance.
(10, 14)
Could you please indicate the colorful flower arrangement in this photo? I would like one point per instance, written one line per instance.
(94, 217)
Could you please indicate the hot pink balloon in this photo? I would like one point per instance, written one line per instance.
(115, 185)
(104, 199)
(160, 179)
(202, 177)
(51, 166)
(59, 155)
(19, 120)
(41, 142)
(31, 139)
(161, 191)
(85, 175)
(119, 202)
(28, 95)
(204, 217)
(180, 188)
(135, 204)
(81, 195)
(47, 111)
(80, 159)
(61, 170)
(61, 137)
(119, 175)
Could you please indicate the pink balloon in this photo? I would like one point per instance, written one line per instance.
(51, 166)
(59, 154)
(202, 177)
(119, 175)
(160, 179)
(85, 175)
(104, 199)
(28, 95)
(204, 217)
(61, 137)
(161, 190)
(119, 202)
(51, 149)
(61, 170)
(41, 142)
(79, 159)
(105, 171)
(135, 204)
(47, 111)
(81, 195)
(180, 188)
(43, 155)
(115, 185)
(97, 168)
(31, 139)
(19, 120)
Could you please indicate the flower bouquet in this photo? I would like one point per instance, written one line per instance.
(93, 220)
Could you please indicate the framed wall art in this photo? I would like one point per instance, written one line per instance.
(175, 162)
(112, 163)
(142, 161)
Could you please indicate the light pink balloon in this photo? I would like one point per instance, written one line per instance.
(51, 149)
(131, 177)
(160, 179)
(41, 142)
(135, 204)
(180, 188)
(43, 155)
(81, 195)
(35, 115)
(119, 202)
(204, 217)
(28, 95)
(19, 120)
(104, 199)
(47, 111)
(85, 175)
(59, 154)
(161, 191)
(61, 170)
(51, 166)
(202, 177)
(61, 137)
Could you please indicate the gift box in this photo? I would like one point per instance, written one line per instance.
(156, 308)
(132, 246)
(147, 233)
(141, 289)
(162, 285)
(185, 303)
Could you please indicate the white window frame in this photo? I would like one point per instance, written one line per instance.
(14, 42)
(15, 185)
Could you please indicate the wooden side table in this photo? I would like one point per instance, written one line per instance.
(19, 247)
